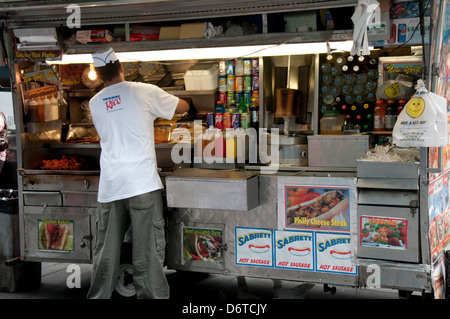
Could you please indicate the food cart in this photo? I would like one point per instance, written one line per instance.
(307, 209)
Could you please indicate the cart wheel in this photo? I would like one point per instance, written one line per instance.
(124, 285)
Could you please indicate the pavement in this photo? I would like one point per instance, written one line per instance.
(229, 296)
(56, 276)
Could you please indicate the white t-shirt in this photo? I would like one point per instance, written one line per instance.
(123, 116)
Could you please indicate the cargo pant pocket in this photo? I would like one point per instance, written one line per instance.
(160, 238)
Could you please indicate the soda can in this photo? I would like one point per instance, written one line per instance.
(401, 33)
(219, 121)
(255, 83)
(235, 120)
(255, 66)
(239, 83)
(230, 67)
(244, 121)
(230, 98)
(238, 97)
(247, 98)
(247, 83)
(227, 120)
(255, 95)
(222, 83)
(210, 121)
(222, 68)
(223, 98)
(247, 67)
(230, 83)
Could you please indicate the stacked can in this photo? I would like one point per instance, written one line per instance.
(239, 82)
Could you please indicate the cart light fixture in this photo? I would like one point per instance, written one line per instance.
(230, 52)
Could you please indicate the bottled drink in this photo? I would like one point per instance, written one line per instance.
(361, 78)
(339, 61)
(350, 78)
(325, 89)
(335, 70)
(378, 116)
(358, 89)
(327, 78)
(330, 58)
(401, 104)
(390, 115)
(41, 110)
(349, 99)
(254, 115)
(33, 113)
(345, 69)
(346, 89)
(371, 86)
(328, 99)
(339, 81)
(335, 90)
(325, 67)
(350, 59)
(372, 74)
(357, 69)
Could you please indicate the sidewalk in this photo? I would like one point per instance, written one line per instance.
(202, 286)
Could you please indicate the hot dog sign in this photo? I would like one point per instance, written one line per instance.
(334, 253)
(254, 246)
(294, 250)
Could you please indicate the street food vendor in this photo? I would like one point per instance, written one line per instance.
(130, 187)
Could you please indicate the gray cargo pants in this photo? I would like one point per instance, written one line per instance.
(145, 213)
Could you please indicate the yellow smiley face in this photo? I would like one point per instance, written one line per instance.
(392, 91)
(415, 107)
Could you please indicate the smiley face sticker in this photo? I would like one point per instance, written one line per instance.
(392, 91)
(415, 107)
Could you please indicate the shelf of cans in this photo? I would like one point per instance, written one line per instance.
(348, 85)
(238, 102)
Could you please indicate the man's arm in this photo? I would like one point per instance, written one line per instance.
(182, 106)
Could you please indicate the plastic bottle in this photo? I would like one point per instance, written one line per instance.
(327, 78)
(54, 107)
(378, 116)
(33, 113)
(219, 107)
(325, 67)
(331, 123)
(339, 81)
(47, 109)
(390, 115)
(41, 110)
(339, 61)
(401, 104)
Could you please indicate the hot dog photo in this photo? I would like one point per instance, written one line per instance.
(323, 208)
(56, 235)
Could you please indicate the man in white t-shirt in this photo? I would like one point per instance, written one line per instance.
(130, 187)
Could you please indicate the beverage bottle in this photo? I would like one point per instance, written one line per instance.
(241, 107)
(357, 69)
(335, 70)
(335, 90)
(368, 125)
(349, 99)
(346, 89)
(219, 107)
(401, 104)
(325, 67)
(47, 109)
(41, 109)
(339, 81)
(345, 69)
(33, 113)
(361, 78)
(372, 74)
(328, 99)
(378, 116)
(350, 78)
(330, 58)
(346, 126)
(327, 78)
(340, 61)
(390, 115)
(254, 116)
